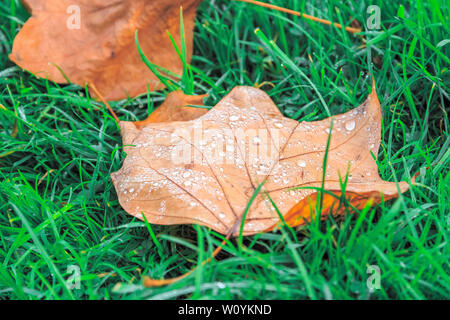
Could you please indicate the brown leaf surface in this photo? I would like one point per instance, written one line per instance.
(103, 50)
(205, 171)
(176, 107)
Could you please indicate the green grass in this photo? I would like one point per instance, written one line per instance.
(59, 208)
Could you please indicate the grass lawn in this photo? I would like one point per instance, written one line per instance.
(60, 213)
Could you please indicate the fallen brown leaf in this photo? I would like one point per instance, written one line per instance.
(176, 107)
(205, 170)
(100, 48)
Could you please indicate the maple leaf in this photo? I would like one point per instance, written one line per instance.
(176, 107)
(93, 42)
(209, 170)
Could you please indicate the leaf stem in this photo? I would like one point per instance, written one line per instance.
(304, 15)
(149, 282)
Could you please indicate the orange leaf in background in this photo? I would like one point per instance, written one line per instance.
(92, 42)
(331, 204)
(206, 170)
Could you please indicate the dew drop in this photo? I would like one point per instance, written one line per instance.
(221, 285)
(256, 140)
(187, 174)
(301, 163)
(350, 125)
(278, 124)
